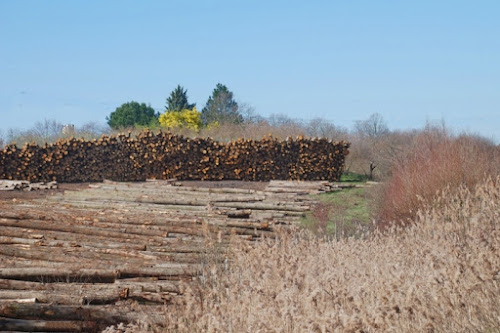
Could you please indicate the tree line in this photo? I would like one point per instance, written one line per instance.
(220, 108)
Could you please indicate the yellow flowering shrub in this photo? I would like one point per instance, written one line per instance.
(181, 119)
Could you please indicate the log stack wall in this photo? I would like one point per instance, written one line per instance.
(164, 155)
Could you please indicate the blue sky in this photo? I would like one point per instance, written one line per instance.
(411, 61)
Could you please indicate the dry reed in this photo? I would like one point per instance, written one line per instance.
(440, 274)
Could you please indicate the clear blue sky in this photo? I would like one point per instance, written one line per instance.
(412, 61)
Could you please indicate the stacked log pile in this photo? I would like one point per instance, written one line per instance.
(79, 261)
(164, 155)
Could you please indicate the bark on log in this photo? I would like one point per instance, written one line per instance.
(151, 285)
(86, 297)
(67, 238)
(263, 206)
(42, 297)
(46, 326)
(59, 274)
(52, 226)
(101, 314)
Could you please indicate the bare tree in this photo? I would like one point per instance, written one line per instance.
(322, 128)
(11, 134)
(278, 120)
(47, 129)
(374, 126)
(369, 135)
(248, 113)
(91, 130)
(2, 139)
(375, 157)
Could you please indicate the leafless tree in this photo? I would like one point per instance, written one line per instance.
(47, 129)
(369, 144)
(374, 126)
(278, 120)
(322, 128)
(91, 130)
(248, 113)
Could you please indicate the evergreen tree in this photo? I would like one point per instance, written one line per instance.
(132, 114)
(178, 100)
(221, 107)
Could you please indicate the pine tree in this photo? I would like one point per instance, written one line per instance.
(178, 100)
(221, 108)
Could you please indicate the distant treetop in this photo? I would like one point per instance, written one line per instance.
(178, 100)
(132, 114)
(221, 107)
(373, 127)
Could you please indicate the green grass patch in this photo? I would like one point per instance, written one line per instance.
(351, 177)
(341, 214)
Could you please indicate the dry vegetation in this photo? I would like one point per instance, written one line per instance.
(49, 131)
(441, 274)
(430, 161)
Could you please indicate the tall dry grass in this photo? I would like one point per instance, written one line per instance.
(441, 274)
(49, 131)
(281, 129)
(433, 160)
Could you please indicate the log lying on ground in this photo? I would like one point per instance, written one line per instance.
(61, 243)
(88, 230)
(157, 198)
(86, 255)
(22, 325)
(88, 293)
(86, 297)
(150, 285)
(59, 274)
(91, 314)
(46, 297)
(263, 206)
(300, 187)
(76, 273)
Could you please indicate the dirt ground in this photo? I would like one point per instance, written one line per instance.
(40, 194)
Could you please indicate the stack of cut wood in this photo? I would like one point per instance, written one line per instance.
(73, 261)
(164, 155)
